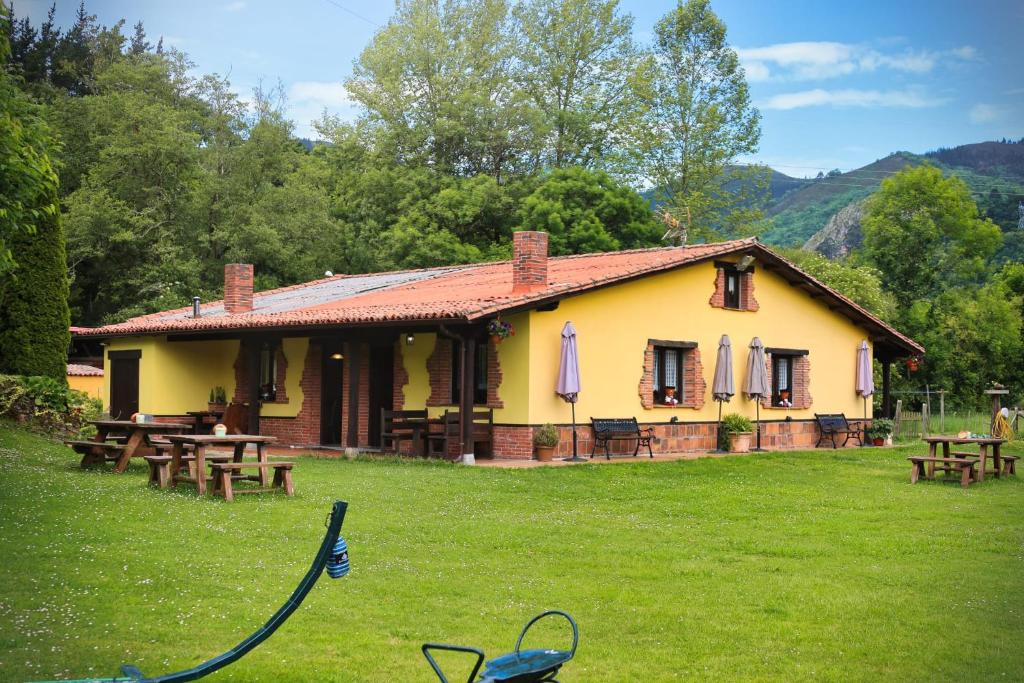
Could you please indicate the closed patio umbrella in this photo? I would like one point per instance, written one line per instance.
(568, 386)
(722, 387)
(757, 384)
(865, 379)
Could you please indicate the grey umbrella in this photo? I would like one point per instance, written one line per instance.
(722, 388)
(568, 384)
(758, 383)
(865, 380)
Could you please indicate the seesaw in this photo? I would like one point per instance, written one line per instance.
(520, 666)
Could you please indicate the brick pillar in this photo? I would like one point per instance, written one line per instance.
(529, 261)
(238, 287)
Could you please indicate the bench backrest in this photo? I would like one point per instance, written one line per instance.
(627, 425)
(831, 421)
(483, 422)
(393, 419)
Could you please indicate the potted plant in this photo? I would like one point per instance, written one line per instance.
(499, 329)
(545, 440)
(879, 431)
(738, 429)
(218, 400)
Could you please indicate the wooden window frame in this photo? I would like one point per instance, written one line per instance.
(792, 356)
(270, 350)
(658, 379)
(733, 302)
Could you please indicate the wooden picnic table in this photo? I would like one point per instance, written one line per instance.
(237, 442)
(137, 433)
(983, 447)
(205, 419)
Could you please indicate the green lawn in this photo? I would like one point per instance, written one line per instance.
(795, 566)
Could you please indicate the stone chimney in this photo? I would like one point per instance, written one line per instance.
(238, 287)
(529, 261)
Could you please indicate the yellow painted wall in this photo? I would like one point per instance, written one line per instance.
(414, 358)
(295, 349)
(614, 324)
(175, 377)
(90, 384)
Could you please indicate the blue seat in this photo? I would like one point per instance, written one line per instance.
(519, 666)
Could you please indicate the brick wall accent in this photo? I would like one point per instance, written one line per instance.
(529, 261)
(241, 394)
(694, 385)
(747, 300)
(516, 441)
(439, 371)
(401, 377)
(801, 397)
(494, 376)
(304, 428)
(238, 287)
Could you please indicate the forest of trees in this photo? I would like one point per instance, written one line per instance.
(476, 118)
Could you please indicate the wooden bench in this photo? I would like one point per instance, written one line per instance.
(223, 474)
(402, 425)
(160, 466)
(607, 430)
(1010, 464)
(447, 430)
(966, 466)
(96, 452)
(835, 424)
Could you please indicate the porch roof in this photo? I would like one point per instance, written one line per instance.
(464, 293)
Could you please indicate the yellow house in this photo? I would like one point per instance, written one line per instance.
(317, 363)
(87, 379)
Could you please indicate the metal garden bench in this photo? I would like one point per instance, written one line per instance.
(832, 425)
(620, 429)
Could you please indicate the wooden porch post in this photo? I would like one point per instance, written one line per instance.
(252, 362)
(468, 361)
(352, 358)
(886, 388)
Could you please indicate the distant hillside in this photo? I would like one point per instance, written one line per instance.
(993, 170)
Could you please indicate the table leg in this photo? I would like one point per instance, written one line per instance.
(135, 439)
(932, 451)
(981, 465)
(239, 452)
(200, 453)
(261, 456)
(176, 450)
(997, 464)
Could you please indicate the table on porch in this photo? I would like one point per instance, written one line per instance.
(137, 433)
(983, 445)
(238, 442)
(205, 420)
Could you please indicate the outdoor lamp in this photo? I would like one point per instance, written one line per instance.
(336, 356)
(410, 339)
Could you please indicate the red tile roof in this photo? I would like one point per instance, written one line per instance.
(453, 293)
(78, 370)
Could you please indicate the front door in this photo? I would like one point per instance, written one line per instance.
(382, 379)
(331, 374)
(124, 383)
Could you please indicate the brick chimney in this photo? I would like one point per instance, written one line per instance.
(529, 261)
(238, 287)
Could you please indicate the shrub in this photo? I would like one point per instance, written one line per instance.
(880, 428)
(46, 405)
(732, 423)
(546, 436)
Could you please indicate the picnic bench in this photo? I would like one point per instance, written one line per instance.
(96, 452)
(124, 439)
(446, 430)
(226, 472)
(199, 442)
(983, 445)
(403, 425)
(835, 424)
(965, 466)
(607, 430)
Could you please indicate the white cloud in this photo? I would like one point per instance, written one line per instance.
(236, 6)
(984, 113)
(819, 97)
(818, 60)
(307, 101)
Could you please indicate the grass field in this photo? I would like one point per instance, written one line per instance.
(824, 565)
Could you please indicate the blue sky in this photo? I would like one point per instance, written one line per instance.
(838, 84)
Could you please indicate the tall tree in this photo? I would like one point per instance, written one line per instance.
(437, 81)
(700, 120)
(581, 69)
(923, 231)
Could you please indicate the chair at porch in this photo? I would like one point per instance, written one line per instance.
(445, 433)
(236, 418)
(402, 425)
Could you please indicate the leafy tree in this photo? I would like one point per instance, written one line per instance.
(581, 70)
(700, 119)
(923, 232)
(861, 283)
(28, 180)
(586, 211)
